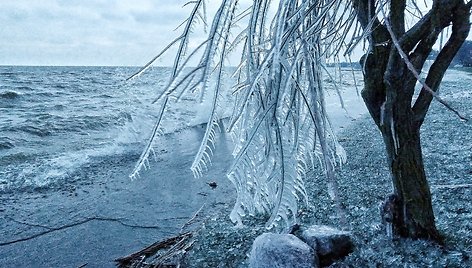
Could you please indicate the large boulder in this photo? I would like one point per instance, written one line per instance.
(281, 250)
(330, 243)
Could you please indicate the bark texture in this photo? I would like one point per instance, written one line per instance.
(388, 95)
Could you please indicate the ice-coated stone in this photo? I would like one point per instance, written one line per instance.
(281, 251)
(330, 243)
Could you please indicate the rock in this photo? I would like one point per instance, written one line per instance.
(281, 250)
(330, 243)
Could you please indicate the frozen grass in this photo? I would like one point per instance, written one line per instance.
(364, 182)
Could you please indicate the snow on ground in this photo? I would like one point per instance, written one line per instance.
(364, 182)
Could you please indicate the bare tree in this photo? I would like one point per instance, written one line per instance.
(396, 55)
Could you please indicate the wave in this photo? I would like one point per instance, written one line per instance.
(57, 170)
(6, 143)
(35, 173)
(16, 159)
(60, 86)
(10, 95)
(95, 122)
(33, 130)
(46, 124)
(105, 96)
(8, 73)
(46, 94)
(24, 88)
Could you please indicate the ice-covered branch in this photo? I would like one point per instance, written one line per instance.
(279, 122)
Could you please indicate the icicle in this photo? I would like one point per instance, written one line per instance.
(389, 230)
(382, 113)
(394, 136)
(279, 122)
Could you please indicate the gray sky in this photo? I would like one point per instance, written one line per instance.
(88, 32)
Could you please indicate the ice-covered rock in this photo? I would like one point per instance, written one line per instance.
(330, 243)
(280, 251)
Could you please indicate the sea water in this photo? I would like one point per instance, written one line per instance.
(70, 137)
(56, 120)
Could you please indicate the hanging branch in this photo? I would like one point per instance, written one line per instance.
(275, 138)
(142, 162)
(183, 38)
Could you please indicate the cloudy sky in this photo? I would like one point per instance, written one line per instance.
(88, 32)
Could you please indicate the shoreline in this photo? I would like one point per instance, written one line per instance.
(162, 203)
(364, 182)
(133, 214)
(165, 196)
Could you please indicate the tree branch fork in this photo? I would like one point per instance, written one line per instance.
(405, 52)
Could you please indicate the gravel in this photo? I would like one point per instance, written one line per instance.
(364, 182)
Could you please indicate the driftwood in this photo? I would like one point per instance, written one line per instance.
(168, 252)
(192, 220)
(174, 248)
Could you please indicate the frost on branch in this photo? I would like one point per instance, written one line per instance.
(279, 123)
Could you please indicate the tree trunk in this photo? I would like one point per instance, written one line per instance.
(389, 86)
(413, 216)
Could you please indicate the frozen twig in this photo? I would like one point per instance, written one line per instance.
(192, 220)
(451, 186)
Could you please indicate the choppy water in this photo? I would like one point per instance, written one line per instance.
(77, 132)
(55, 120)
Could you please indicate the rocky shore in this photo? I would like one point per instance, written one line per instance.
(105, 216)
(364, 183)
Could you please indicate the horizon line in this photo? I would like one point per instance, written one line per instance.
(94, 65)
